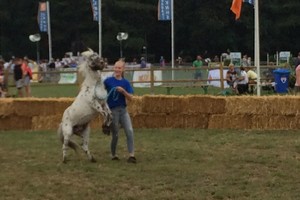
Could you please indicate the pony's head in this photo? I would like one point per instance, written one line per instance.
(93, 60)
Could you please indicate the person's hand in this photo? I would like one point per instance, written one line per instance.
(120, 89)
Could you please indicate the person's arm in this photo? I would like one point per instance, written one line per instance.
(24, 71)
(228, 77)
(127, 95)
(241, 77)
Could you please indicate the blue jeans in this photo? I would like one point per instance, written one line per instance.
(121, 116)
(197, 75)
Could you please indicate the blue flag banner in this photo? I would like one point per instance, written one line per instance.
(43, 17)
(249, 1)
(164, 10)
(95, 8)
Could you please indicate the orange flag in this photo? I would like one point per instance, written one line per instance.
(236, 8)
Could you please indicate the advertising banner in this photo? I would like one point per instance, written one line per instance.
(145, 76)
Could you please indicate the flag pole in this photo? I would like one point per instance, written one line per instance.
(100, 28)
(49, 32)
(172, 37)
(256, 45)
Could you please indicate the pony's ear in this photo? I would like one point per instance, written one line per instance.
(87, 53)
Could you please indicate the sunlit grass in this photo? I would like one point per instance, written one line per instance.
(172, 164)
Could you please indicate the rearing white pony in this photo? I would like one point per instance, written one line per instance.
(90, 101)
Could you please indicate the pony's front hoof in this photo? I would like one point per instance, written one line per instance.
(93, 160)
(106, 129)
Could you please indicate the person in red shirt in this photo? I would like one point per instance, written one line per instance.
(27, 76)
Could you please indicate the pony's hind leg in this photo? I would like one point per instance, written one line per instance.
(66, 132)
(85, 143)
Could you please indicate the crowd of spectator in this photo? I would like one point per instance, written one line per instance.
(24, 70)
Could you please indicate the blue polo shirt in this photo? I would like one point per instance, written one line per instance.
(116, 99)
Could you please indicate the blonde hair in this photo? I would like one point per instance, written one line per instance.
(231, 65)
(120, 63)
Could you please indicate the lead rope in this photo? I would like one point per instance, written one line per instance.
(113, 91)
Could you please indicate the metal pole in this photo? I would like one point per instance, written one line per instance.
(256, 45)
(172, 37)
(121, 52)
(49, 31)
(100, 28)
(37, 52)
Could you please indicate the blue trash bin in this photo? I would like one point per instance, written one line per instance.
(281, 80)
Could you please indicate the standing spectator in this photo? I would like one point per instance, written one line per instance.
(27, 76)
(42, 70)
(249, 61)
(52, 65)
(118, 108)
(18, 76)
(252, 76)
(2, 92)
(52, 68)
(231, 77)
(58, 64)
(162, 61)
(245, 61)
(133, 61)
(242, 84)
(179, 61)
(143, 62)
(297, 63)
(197, 64)
(297, 84)
(216, 59)
(2, 78)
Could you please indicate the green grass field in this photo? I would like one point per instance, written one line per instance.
(47, 91)
(172, 164)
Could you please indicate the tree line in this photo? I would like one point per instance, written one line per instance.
(201, 27)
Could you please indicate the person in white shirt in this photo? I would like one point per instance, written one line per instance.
(242, 82)
(297, 83)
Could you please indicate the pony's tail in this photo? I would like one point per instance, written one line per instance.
(71, 144)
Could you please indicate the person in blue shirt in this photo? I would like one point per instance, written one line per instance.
(120, 90)
(143, 62)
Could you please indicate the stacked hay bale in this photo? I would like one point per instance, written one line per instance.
(31, 113)
(268, 112)
(176, 111)
(161, 111)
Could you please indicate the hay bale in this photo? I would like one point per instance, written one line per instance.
(225, 121)
(162, 104)
(187, 121)
(40, 107)
(50, 122)
(155, 121)
(196, 121)
(138, 121)
(6, 107)
(267, 105)
(134, 107)
(204, 104)
(15, 123)
(275, 122)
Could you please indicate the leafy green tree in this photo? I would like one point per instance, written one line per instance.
(200, 27)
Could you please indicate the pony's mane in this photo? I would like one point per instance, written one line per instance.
(82, 67)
